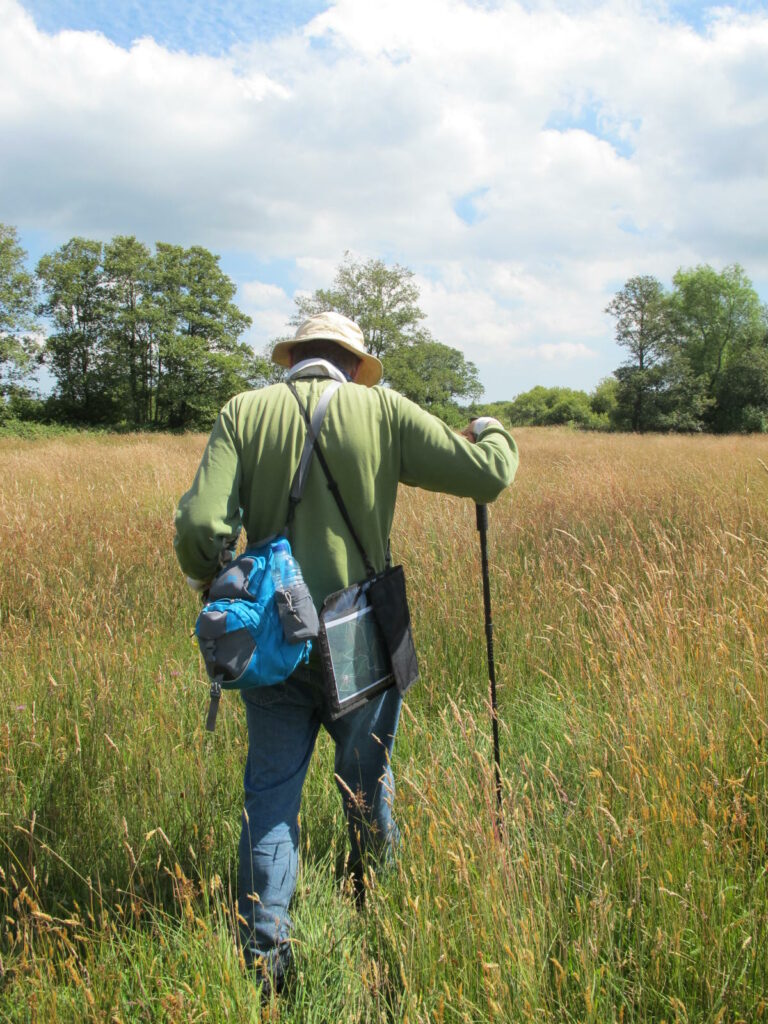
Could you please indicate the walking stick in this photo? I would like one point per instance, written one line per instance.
(482, 526)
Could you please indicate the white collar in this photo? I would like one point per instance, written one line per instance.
(313, 367)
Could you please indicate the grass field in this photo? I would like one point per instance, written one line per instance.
(630, 880)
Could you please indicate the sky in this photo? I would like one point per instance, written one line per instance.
(523, 157)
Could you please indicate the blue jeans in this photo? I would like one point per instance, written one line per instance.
(283, 723)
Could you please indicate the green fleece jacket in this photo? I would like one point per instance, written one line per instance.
(372, 438)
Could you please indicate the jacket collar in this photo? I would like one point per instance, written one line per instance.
(316, 368)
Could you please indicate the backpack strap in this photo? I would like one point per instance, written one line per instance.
(332, 485)
(313, 429)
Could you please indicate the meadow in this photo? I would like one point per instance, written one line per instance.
(628, 880)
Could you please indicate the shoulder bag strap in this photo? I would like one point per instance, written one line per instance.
(333, 486)
(299, 481)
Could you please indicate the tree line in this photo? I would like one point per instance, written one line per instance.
(141, 339)
(137, 338)
(697, 361)
(144, 339)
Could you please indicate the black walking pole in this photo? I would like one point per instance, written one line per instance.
(482, 526)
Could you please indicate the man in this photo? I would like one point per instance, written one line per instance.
(373, 439)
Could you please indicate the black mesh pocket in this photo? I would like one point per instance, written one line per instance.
(386, 594)
(298, 615)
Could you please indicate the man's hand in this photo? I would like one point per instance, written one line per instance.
(469, 432)
(477, 426)
(199, 587)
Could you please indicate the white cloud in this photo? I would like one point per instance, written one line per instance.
(599, 140)
(259, 295)
(565, 350)
(318, 273)
(269, 307)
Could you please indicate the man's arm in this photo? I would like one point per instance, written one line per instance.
(208, 516)
(438, 459)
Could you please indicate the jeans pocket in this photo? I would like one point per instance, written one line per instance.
(263, 696)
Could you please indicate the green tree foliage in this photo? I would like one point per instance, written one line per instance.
(694, 352)
(73, 287)
(603, 400)
(131, 316)
(714, 317)
(201, 363)
(18, 292)
(547, 407)
(742, 392)
(432, 374)
(382, 300)
(640, 311)
(683, 402)
(142, 339)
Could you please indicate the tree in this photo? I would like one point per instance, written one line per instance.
(682, 401)
(637, 397)
(714, 317)
(682, 348)
(143, 339)
(382, 300)
(603, 400)
(18, 292)
(130, 318)
(201, 363)
(73, 286)
(742, 392)
(640, 311)
(433, 375)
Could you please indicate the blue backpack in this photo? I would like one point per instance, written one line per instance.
(251, 633)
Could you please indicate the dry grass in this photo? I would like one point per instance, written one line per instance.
(629, 880)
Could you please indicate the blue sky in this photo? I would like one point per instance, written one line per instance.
(523, 158)
(211, 28)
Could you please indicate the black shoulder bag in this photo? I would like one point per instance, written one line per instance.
(365, 639)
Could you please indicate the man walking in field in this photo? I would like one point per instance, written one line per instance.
(373, 439)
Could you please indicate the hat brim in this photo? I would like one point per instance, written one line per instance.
(370, 367)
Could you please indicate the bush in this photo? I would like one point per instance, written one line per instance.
(551, 407)
(753, 420)
(742, 394)
(30, 430)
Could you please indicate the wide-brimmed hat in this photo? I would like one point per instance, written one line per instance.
(340, 329)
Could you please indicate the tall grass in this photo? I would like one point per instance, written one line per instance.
(628, 880)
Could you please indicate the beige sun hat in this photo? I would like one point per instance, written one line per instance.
(330, 326)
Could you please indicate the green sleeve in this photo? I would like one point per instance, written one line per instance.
(208, 515)
(435, 457)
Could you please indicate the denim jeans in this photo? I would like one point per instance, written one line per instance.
(283, 723)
